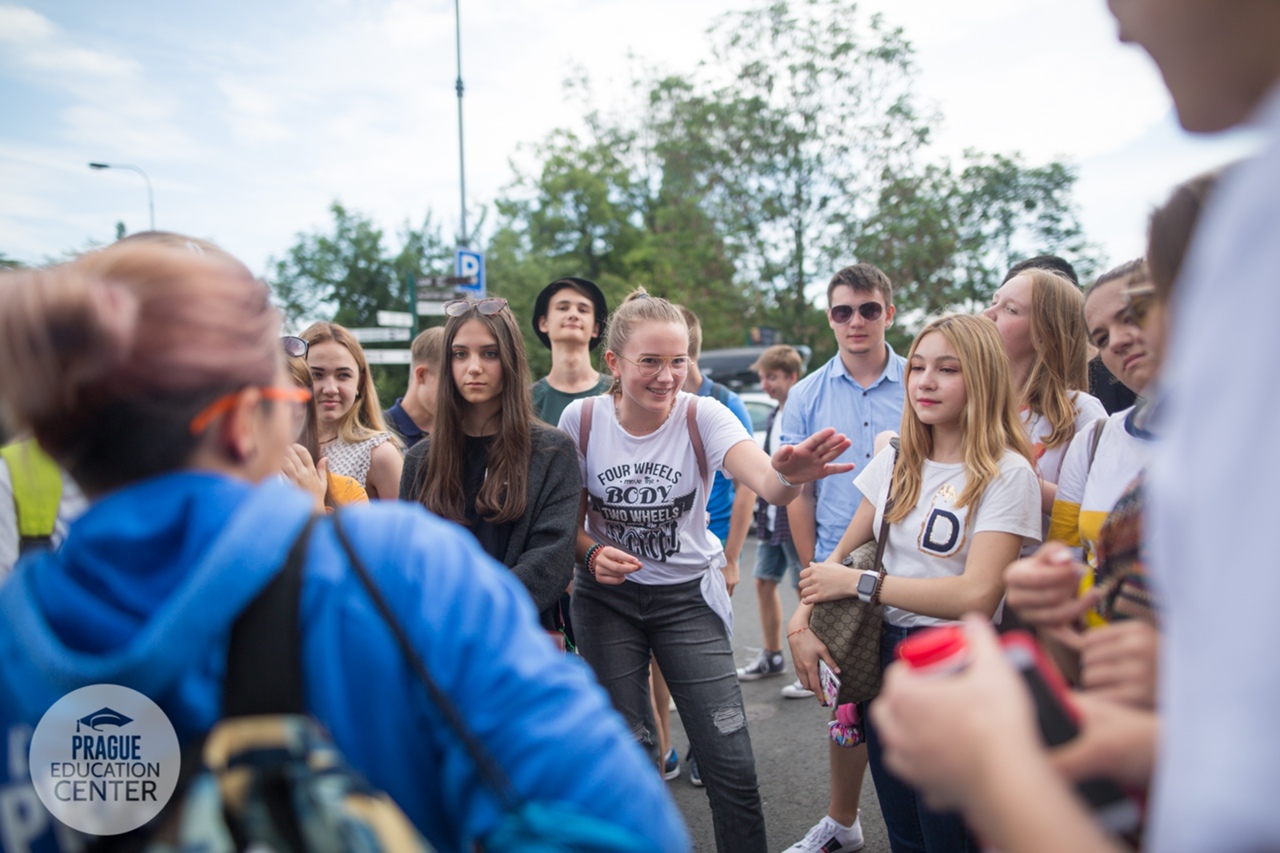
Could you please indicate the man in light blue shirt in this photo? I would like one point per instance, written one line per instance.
(860, 393)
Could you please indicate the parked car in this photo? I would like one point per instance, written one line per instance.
(732, 367)
(759, 405)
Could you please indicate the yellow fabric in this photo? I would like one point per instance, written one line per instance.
(346, 490)
(1064, 526)
(37, 487)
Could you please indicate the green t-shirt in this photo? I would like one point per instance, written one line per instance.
(549, 403)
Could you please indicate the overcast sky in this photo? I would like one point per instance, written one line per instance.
(251, 116)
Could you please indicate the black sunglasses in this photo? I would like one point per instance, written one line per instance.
(844, 313)
(295, 346)
(458, 307)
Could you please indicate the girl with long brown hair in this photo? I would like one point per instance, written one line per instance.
(490, 465)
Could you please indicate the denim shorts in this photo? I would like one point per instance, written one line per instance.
(773, 561)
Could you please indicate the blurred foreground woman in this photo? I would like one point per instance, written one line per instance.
(156, 378)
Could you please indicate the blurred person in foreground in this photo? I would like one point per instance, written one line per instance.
(156, 378)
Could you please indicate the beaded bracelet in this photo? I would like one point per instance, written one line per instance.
(589, 560)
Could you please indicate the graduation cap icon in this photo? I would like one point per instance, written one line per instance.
(103, 717)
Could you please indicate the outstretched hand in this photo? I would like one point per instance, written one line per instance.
(812, 458)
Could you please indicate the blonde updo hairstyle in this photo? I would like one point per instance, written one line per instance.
(108, 358)
(636, 310)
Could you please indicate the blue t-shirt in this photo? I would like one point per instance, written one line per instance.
(829, 397)
(720, 504)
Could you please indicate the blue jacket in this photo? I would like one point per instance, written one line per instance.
(145, 589)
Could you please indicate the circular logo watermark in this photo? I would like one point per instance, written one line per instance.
(105, 759)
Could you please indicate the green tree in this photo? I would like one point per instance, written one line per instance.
(946, 235)
(347, 275)
(783, 134)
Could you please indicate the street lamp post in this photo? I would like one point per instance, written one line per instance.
(151, 199)
(462, 171)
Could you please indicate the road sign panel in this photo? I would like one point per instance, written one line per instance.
(469, 263)
(380, 335)
(430, 309)
(395, 318)
(387, 356)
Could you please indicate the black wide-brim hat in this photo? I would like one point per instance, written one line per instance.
(544, 301)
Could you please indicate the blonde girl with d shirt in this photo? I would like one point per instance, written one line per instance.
(651, 580)
(353, 436)
(965, 499)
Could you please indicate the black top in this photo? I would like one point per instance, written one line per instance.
(1111, 392)
(493, 538)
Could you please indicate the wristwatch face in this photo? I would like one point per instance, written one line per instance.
(866, 584)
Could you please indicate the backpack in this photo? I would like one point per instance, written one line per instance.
(268, 776)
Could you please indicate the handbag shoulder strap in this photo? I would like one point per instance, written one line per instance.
(1098, 426)
(883, 539)
(494, 775)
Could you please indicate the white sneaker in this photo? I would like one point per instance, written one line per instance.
(796, 690)
(830, 837)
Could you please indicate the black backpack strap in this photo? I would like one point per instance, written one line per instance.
(264, 658)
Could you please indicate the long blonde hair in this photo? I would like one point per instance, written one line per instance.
(1060, 365)
(989, 423)
(364, 418)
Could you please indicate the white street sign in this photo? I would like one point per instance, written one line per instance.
(387, 356)
(379, 335)
(395, 318)
(430, 309)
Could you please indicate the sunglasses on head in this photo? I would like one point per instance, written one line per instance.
(458, 307)
(1138, 297)
(295, 346)
(844, 313)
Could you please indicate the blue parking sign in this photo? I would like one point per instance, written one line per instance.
(468, 263)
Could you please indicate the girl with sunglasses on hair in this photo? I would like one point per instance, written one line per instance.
(961, 499)
(353, 435)
(1040, 317)
(490, 465)
(178, 447)
(650, 579)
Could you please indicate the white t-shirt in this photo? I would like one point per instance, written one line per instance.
(1086, 495)
(643, 494)
(1049, 462)
(933, 540)
(774, 441)
(1213, 510)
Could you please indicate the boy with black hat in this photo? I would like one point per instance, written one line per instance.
(568, 318)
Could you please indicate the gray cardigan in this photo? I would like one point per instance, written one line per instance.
(543, 541)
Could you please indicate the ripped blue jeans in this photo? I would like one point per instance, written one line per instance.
(616, 627)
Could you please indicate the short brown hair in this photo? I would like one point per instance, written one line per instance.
(695, 332)
(862, 278)
(427, 349)
(779, 357)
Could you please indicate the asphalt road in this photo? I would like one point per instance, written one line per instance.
(789, 737)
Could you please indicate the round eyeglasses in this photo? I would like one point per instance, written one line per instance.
(651, 365)
(491, 305)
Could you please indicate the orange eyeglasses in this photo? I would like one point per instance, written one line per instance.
(222, 405)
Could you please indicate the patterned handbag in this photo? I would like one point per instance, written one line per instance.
(850, 627)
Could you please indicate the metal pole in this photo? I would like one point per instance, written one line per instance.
(151, 199)
(462, 171)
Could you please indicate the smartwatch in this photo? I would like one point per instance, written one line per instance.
(869, 587)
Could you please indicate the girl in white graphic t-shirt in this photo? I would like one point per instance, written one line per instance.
(651, 578)
(965, 499)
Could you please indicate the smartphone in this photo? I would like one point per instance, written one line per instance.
(830, 683)
(1060, 722)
